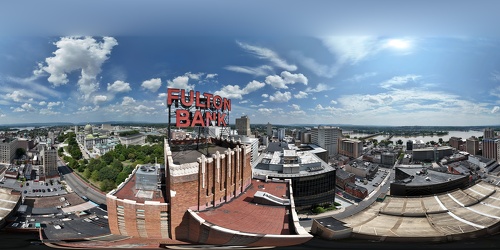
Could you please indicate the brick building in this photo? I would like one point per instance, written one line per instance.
(194, 183)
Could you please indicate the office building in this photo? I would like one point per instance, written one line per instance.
(456, 142)
(328, 138)
(432, 153)
(243, 125)
(489, 133)
(490, 148)
(351, 148)
(281, 134)
(269, 130)
(8, 148)
(313, 180)
(472, 145)
(49, 161)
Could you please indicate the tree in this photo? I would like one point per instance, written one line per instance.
(87, 173)
(95, 175)
(440, 141)
(121, 177)
(20, 152)
(399, 142)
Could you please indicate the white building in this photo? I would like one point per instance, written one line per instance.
(281, 134)
(8, 148)
(328, 138)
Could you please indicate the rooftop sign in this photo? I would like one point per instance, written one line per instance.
(208, 107)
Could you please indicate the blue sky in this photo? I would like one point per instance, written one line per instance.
(289, 64)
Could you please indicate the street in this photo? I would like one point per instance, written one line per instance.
(79, 186)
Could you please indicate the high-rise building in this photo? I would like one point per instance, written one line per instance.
(281, 134)
(51, 137)
(8, 148)
(490, 147)
(328, 138)
(472, 145)
(49, 161)
(456, 142)
(243, 125)
(351, 148)
(489, 133)
(269, 130)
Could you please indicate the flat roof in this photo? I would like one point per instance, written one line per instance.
(188, 156)
(129, 192)
(244, 215)
(309, 159)
(434, 177)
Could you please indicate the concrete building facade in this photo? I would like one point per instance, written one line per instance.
(328, 138)
(489, 133)
(472, 145)
(49, 161)
(490, 148)
(8, 148)
(243, 126)
(351, 148)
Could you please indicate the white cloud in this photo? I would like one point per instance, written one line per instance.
(256, 71)
(319, 88)
(333, 102)
(27, 107)
(286, 77)
(42, 103)
(280, 97)
(347, 50)
(234, 91)
(18, 110)
(265, 95)
(152, 84)
(495, 92)
(83, 54)
(210, 76)
(162, 95)
(49, 112)
(180, 82)
(360, 77)
(265, 53)
(119, 86)
(276, 81)
(268, 111)
(495, 76)
(399, 80)
(301, 95)
(100, 99)
(495, 109)
(293, 78)
(194, 76)
(128, 101)
(16, 96)
(50, 105)
(295, 106)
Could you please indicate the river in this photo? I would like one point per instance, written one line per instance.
(463, 134)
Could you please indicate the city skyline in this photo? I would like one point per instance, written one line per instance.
(385, 76)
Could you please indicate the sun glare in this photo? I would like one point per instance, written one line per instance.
(398, 43)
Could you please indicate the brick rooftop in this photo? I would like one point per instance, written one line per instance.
(129, 192)
(244, 215)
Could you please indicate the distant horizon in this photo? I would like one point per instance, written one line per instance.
(232, 124)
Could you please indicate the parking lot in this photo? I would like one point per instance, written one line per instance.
(35, 189)
(375, 182)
